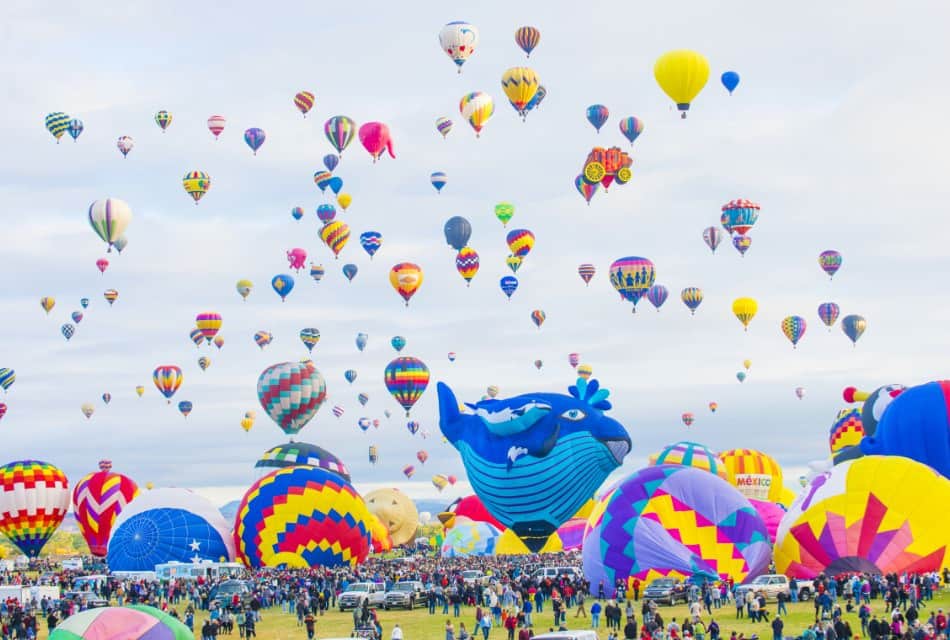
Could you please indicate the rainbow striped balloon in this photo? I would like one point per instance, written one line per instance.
(291, 393)
(34, 498)
(167, 379)
(406, 379)
(208, 323)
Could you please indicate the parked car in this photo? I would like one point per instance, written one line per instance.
(224, 592)
(770, 585)
(87, 599)
(568, 635)
(473, 576)
(556, 572)
(355, 594)
(667, 590)
(404, 595)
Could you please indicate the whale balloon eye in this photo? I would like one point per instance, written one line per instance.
(574, 415)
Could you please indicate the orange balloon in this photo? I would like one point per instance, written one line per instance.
(406, 278)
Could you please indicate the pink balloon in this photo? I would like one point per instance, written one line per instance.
(374, 136)
(296, 257)
(102, 264)
(771, 514)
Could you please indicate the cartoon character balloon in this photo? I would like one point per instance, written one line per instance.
(458, 39)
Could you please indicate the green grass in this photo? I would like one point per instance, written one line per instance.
(419, 625)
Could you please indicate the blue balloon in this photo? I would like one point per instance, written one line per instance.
(730, 80)
(84, 302)
(371, 242)
(361, 340)
(282, 284)
(457, 231)
(335, 184)
(398, 342)
(330, 161)
(916, 425)
(350, 270)
(508, 284)
(439, 180)
(535, 459)
(597, 115)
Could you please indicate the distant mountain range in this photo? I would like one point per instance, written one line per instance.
(229, 511)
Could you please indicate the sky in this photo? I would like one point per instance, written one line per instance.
(835, 130)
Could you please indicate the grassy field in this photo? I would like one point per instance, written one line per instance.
(419, 625)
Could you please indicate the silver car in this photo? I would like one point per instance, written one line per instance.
(404, 595)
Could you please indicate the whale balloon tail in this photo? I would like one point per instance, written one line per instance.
(449, 413)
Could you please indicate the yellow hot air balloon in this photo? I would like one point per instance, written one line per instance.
(244, 287)
(139, 390)
(344, 200)
(247, 423)
(477, 108)
(745, 309)
(196, 184)
(520, 84)
(47, 303)
(681, 74)
(406, 278)
(149, 485)
(88, 409)
(747, 364)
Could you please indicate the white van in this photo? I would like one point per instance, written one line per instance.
(72, 564)
(568, 635)
(89, 583)
(555, 572)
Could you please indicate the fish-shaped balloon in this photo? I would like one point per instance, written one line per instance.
(535, 459)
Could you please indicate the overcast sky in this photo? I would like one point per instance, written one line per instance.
(837, 129)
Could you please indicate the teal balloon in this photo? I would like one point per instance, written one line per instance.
(740, 376)
(398, 342)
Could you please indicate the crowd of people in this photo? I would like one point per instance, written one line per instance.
(507, 597)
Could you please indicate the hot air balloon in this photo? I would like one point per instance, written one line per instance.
(371, 242)
(794, 328)
(632, 277)
(466, 263)
(713, 406)
(209, 323)
(57, 123)
(406, 278)
(84, 303)
(99, 497)
(438, 180)
(439, 481)
(338, 411)
(681, 74)
(828, 312)
(102, 264)
(350, 375)
(800, 392)
(109, 218)
(87, 409)
(339, 131)
(586, 189)
(111, 295)
(316, 272)
(527, 38)
(107, 397)
(326, 213)
(451, 356)
(586, 272)
(712, 236)
(364, 424)
(68, 330)
(363, 399)
(243, 288)
(406, 379)
(185, 407)
(657, 295)
(443, 125)
(747, 364)
(291, 394)
(631, 127)
(344, 200)
(254, 138)
(508, 284)
(477, 108)
(76, 316)
(304, 103)
(538, 364)
(120, 243)
(296, 258)
(520, 242)
(537, 317)
(375, 138)
(350, 271)
(34, 498)
(139, 390)
(335, 235)
(730, 80)
(216, 125)
(742, 243)
(830, 262)
(422, 456)
(167, 379)
(7, 378)
(246, 424)
(310, 336)
(692, 297)
(688, 419)
(124, 144)
(361, 340)
(398, 343)
(330, 161)
(853, 326)
(47, 303)
(458, 39)
(492, 391)
(597, 115)
(741, 376)
(262, 339)
(163, 119)
(408, 470)
(744, 310)
(520, 84)
(75, 128)
(739, 216)
(514, 263)
(204, 362)
(322, 179)
(196, 184)
(282, 284)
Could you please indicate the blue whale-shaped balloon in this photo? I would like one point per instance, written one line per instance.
(535, 459)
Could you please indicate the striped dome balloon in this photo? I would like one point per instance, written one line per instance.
(757, 475)
(302, 453)
(692, 454)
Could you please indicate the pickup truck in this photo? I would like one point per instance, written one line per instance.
(770, 585)
(668, 590)
(357, 592)
(404, 594)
